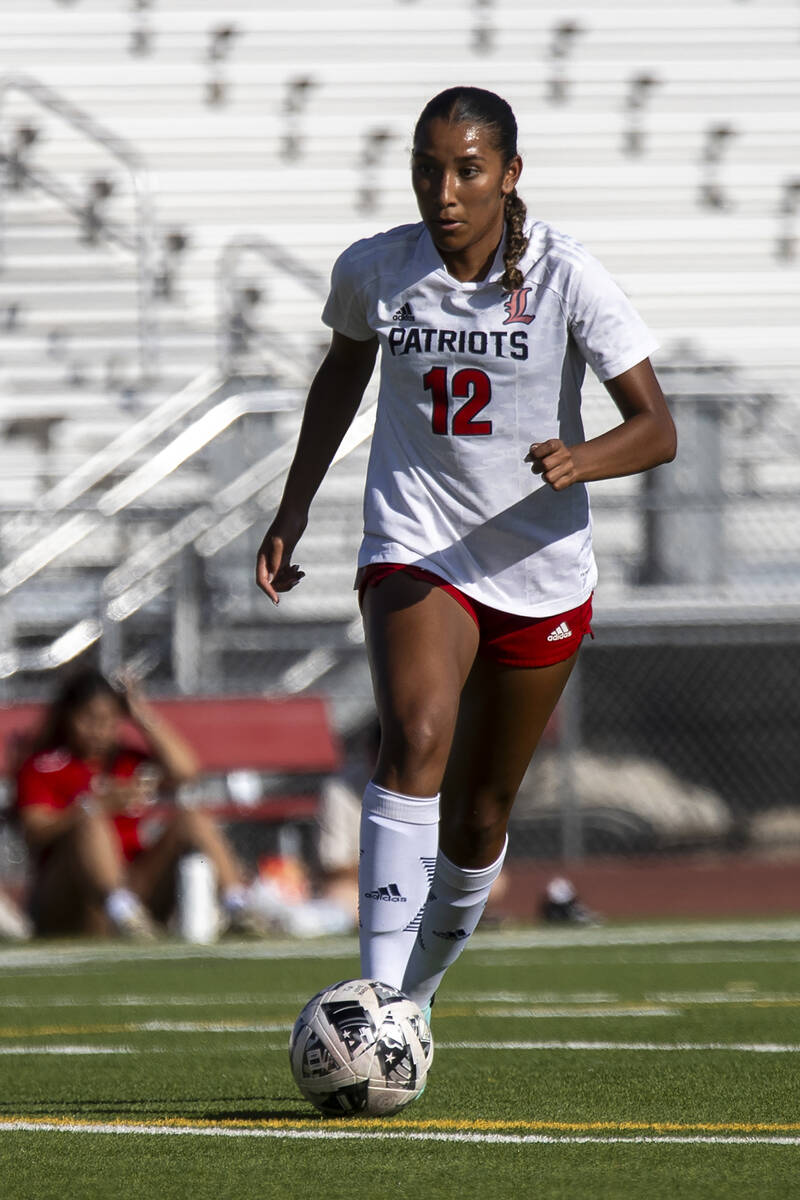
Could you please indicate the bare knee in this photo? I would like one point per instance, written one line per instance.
(93, 839)
(414, 749)
(474, 835)
(191, 828)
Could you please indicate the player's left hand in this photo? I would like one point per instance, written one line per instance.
(555, 462)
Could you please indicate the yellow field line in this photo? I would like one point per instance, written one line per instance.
(433, 1123)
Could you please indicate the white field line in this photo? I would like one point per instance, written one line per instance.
(27, 957)
(535, 998)
(724, 998)
(518, 1004)
(637, 935)
(209, 1027)
(634, 957)
(581, 1012)
(24, 1051)
(402, 1135)
(684, 1047)
(274, 1000)
(239, 1027)
(149, 1001)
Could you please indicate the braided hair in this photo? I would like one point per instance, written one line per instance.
(460, 105)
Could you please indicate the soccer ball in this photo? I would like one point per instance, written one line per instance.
(360, 1046)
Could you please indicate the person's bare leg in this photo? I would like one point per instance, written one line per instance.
(152, 873)
(502, 717)
(421, 644)
(81, 872)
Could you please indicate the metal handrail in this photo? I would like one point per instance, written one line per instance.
(146, 574)
(233, 510)
(131, 160)
(183, 446)
(118, 452)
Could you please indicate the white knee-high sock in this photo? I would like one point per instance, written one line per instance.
(399, 839)
(455, 905)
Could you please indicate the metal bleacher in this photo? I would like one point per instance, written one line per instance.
(286, 131)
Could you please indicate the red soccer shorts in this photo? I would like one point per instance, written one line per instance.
(505, 638)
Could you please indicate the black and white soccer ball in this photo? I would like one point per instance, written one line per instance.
(360, 1046)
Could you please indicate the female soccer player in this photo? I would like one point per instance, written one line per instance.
(103, 860)
(476, 569)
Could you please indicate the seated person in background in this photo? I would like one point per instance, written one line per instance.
(104, 860)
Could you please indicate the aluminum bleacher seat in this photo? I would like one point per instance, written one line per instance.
(712, 278)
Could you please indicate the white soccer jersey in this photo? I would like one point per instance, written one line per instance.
(470, 377)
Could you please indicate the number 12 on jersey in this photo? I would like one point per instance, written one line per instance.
(469, 384)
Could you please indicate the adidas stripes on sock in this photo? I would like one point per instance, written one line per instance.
(455, 905)
(399, 839)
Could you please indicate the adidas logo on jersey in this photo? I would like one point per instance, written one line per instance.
(561, 632)
(390, 895)
(451, 935)
(404, 313)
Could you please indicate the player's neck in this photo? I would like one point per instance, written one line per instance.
(473, 263)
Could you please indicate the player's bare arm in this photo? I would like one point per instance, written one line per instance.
(645, 438)
(333, 401)
(171, 751)
(42, 826)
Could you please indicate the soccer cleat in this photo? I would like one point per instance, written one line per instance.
(426, 1012)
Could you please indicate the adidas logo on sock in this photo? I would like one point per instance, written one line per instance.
(404, 313)
(558, 635)
(390, 894)
(451, 935)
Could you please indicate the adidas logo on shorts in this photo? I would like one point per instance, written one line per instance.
(404, 313)
(560, 632)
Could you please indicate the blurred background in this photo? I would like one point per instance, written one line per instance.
(176, 179)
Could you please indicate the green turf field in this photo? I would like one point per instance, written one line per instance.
(658, 1061)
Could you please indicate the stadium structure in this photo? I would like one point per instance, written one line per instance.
(177, 179)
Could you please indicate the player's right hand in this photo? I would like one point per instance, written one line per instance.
(274, 572)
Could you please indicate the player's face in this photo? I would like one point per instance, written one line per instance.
(93, 727)
(461, 181)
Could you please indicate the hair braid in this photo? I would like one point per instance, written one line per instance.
(516, 241)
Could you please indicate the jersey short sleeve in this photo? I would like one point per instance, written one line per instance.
(345, 308)
(609, 332)
(37, 781)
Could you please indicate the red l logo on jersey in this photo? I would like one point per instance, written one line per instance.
(515, 307)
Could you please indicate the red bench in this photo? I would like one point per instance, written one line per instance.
(287, 736)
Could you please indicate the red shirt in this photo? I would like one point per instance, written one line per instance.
(55, 779)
